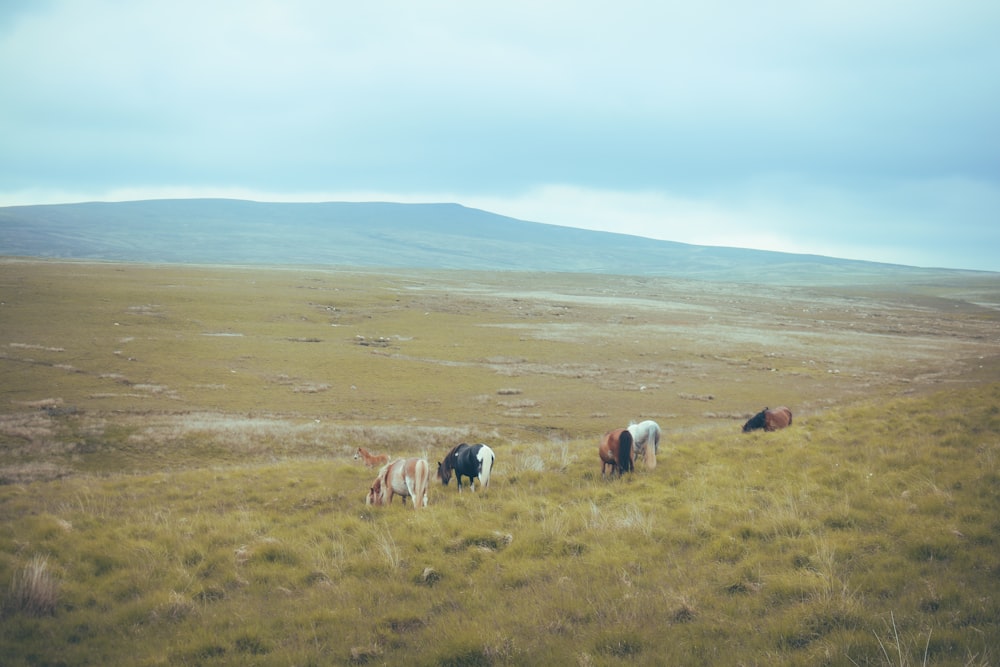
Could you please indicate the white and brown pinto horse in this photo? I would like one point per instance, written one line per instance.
(644, 434)
(407, 478)
(769, 420)
(371, 460)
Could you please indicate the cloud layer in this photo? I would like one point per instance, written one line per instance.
(860, 129)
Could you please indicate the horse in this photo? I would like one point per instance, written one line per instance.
(403, 477)
(371, 460)
(643, 434)
(472, 461)
(769, 420)
(616, 452)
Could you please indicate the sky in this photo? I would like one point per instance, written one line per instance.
(863, 129)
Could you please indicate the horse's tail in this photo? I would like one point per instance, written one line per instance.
(654, 450)
(649, 453)
(625, 452)
(421, 480)
(485, 466)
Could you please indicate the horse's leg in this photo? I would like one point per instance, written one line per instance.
(418, 491)
(479, 476)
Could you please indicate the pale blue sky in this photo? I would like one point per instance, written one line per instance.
(865, 129)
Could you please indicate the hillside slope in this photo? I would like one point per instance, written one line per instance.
(444, 236)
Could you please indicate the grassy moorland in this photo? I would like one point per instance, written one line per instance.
(177, 483)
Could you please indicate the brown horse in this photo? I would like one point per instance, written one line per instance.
(616, 452)
(371, 460)
(407, 478)
(769, 420)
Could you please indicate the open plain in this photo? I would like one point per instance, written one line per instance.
(177, 481)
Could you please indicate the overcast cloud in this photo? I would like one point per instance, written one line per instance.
(865, 129)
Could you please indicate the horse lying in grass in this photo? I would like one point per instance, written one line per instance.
(616, 452)
(769, 420)
(643, 434)
(472, 461)
(371, 460)
(407, 478)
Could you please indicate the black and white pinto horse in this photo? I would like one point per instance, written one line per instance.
(472, 461)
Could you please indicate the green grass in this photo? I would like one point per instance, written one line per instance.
(202, 526)
(785, 548)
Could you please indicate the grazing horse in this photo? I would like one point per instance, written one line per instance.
(402, 477)
(769, 420)
(371, 460)
(616, 452)
(643, 434)
(472, 461)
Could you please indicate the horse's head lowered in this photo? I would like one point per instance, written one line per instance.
(755, 422)
(444, 473)
(450, 463)
(375, 493)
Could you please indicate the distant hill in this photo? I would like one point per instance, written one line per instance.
(443, 236)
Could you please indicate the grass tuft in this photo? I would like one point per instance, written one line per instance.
(34, 589)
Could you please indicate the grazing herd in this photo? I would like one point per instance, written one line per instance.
(619, 448)
(409, 478)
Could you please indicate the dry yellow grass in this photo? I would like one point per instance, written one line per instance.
(176, 447)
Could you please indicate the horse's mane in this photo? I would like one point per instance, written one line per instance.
(625, 443)
(451, 458)
(382, 472)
